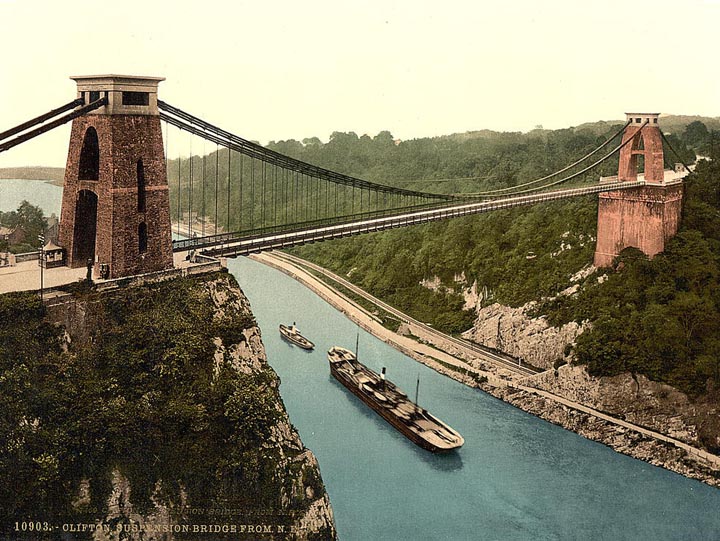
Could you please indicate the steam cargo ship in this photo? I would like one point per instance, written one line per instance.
(392, 404)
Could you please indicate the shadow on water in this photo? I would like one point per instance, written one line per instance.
(446, 462)
(293, 348)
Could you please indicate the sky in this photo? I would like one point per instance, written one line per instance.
(273, 70)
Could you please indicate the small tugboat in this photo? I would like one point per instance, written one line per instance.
(292, 334)
(392, 404)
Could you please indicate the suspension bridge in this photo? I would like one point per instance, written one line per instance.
(117, 209)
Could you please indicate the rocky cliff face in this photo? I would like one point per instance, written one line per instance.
(640, 401)
(513, 331)
(636, 399)
(258, 481)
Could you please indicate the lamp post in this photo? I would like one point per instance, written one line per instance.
(41, 238)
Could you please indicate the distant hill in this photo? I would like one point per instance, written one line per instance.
(599, 127)
(669, 123)
(477, 134)
(56, 174)
(676, 123)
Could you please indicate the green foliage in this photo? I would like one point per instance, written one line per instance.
(143, 395)
(658, 317)
(31, 220)
(677, 150)
(696, 135)
(518, 255)
(29, 457)
(22, 248)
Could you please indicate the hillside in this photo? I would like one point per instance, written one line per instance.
(678, 123)
(149, 407)
(532, 254)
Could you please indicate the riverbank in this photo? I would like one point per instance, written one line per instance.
(515, 388)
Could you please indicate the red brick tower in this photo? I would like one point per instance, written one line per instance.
(645, 217)
(115, 206)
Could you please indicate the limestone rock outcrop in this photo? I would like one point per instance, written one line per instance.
(516, 333)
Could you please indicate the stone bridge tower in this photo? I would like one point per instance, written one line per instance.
(645, 217)
(115, 206)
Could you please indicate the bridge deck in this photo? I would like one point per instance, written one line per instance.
(234, 244)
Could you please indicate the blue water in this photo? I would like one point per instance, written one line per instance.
(516, 478)
(43, 194)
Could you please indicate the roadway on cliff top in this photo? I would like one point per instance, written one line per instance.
(275, 201)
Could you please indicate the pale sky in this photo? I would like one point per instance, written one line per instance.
(272, 70)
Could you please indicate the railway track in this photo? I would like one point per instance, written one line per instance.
(477, 351)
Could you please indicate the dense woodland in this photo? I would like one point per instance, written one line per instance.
(142, 394)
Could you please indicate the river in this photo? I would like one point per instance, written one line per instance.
(516, 478)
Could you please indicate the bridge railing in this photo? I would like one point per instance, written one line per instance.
(262, 232)
(283, 236)
(284, 239)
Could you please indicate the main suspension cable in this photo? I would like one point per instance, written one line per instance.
(181, 119)
(42, 118)
(52, 125)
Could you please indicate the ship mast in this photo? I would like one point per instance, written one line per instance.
(417, 390)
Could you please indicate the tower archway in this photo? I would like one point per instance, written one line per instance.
(644, 149)
(89, 168)
(85, 229)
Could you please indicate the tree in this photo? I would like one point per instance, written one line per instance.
(30, 219)
(696, 135)
(384, 138)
